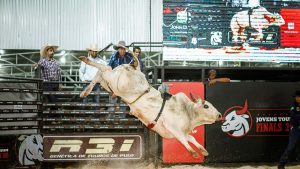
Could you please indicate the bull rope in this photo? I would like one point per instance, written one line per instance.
(166, 97)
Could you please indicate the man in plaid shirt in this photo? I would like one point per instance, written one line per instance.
(50, 70)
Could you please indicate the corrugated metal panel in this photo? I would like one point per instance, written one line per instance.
(157, 20)
(74, 24)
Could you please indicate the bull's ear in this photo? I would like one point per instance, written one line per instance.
(199, 100)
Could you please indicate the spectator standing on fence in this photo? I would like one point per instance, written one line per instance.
(121, 56)
(118, 58)
(50, 70)
(137, 53)
(212, 78)
(87, 72)
(294, 134)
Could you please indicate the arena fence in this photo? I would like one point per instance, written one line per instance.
(73, 131)
(67, 130)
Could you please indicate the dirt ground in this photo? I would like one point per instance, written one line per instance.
(147, 165)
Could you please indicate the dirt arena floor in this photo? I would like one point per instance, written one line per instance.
(148, 165)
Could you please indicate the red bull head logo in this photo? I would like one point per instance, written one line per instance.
(237, 120)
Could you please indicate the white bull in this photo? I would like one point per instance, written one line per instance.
(236, 122)
(180, 115)
(259, 19)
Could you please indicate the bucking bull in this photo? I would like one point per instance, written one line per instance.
(257, 18)
(179, 115)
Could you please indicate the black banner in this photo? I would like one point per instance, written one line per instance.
(93, 147)
(256, 122)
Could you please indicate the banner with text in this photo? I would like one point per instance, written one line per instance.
(92, 147)
(255, 124)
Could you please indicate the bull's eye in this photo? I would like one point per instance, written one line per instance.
(206, 106)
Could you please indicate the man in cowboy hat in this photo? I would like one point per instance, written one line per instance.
(50, 70)
(119, 58)
(294, 134)
(87, 72)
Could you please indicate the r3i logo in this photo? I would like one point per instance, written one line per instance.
(104, 145)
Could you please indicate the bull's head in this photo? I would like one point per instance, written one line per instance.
(236, 121)
(208, 113)
(31, 149)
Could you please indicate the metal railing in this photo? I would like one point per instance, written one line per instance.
(20, 105)
(21, 64)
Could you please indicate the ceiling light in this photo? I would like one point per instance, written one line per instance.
(63, 59)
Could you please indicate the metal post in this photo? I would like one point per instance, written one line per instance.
(203, 75)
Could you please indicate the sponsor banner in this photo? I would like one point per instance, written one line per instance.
(255, 121)
(92, 147)
(4, 152)
(290, 36)
(245, 30)
(173, 150)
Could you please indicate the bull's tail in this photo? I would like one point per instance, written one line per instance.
(97, 65)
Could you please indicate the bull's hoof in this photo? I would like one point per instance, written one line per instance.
(204, 152)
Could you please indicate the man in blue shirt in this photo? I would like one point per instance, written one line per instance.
(119, 58)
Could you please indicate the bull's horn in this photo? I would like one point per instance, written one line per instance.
(97, 65)
(244, 109)
(136, 63)
(193, 98)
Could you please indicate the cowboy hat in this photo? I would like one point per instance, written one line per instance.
(121, 44)
(44, 49)
(93, 47)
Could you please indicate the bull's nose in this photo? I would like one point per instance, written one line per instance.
(219, 117)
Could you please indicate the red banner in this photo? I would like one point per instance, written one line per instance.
(290, 36)
(4, 152)
(173, 150)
